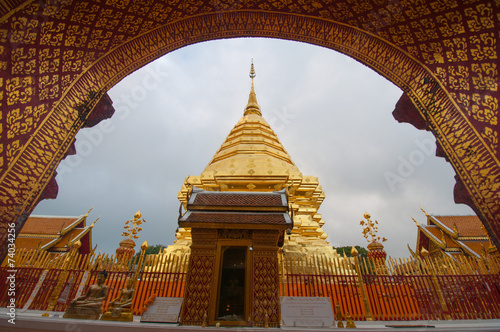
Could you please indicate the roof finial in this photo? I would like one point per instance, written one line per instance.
(252, 106)
(252, 71)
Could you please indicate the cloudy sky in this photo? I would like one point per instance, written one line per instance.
(331, 113)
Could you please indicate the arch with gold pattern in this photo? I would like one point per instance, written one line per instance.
(58, 59)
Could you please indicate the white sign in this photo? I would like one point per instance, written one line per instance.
(35, 290)
(83, 282)
(163, 310)
(306, 311)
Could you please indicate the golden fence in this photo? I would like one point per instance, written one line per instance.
(398, 289)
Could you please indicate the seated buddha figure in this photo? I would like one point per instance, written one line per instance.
(121, 307)
(88, 306)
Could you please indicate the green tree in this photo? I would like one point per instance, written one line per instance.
(363, 252)
(150, 251)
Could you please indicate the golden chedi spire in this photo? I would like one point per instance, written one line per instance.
(253, 149)
(252, 159)
(252, 106)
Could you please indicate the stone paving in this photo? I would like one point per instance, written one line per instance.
(32, 321)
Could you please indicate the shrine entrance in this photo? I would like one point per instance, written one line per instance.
(233, 274)
(233, 289)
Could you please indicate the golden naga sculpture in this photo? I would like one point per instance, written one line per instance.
(253, 159)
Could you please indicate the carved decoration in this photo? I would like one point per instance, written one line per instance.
(234, 234)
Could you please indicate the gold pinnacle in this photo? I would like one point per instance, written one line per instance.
(252, 106)
(252, 71)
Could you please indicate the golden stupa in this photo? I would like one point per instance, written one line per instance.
(253, 159)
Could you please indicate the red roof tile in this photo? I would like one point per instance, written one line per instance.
(31, 243)
(435, 231)
(237, 199)
(468, 226)
(46, 225)
(235, 218)
(477, 246)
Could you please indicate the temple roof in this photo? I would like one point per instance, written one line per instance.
(241, 200)
(455, 234)
(467, 226)
(228, 217)
(241, 209)
(49, 225)
(52, 233)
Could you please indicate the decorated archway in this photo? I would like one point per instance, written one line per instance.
(59, 59)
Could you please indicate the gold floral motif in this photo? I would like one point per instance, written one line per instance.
(48, 87)
(441, 73)
(425, 29)
(401, 35)
(486, 76)
(484, 108)
(52, 35)
(84, 12)
(72, 60)
(442, 5)
(456, 49)
(458, 77)
(3, 35)
(76, 36)
(108, 19)
(19, 90)
(480, 17)
(49, 61)
(483, 47)
(450, 24)
(130, 24)
(140, 8)
(414, 9)
(13, 121)
(12, 148)
(24, 61)
(491, 136)
(99, 39)
(463, 100)
(121, 4)
(432, 52)
(23, 30)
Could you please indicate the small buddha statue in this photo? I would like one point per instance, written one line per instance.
(121, 308)
(88, 306)
(350, 322)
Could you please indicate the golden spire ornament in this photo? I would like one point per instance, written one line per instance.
(370, 229)
(132, 226)
(376, 250)
(252, 106)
